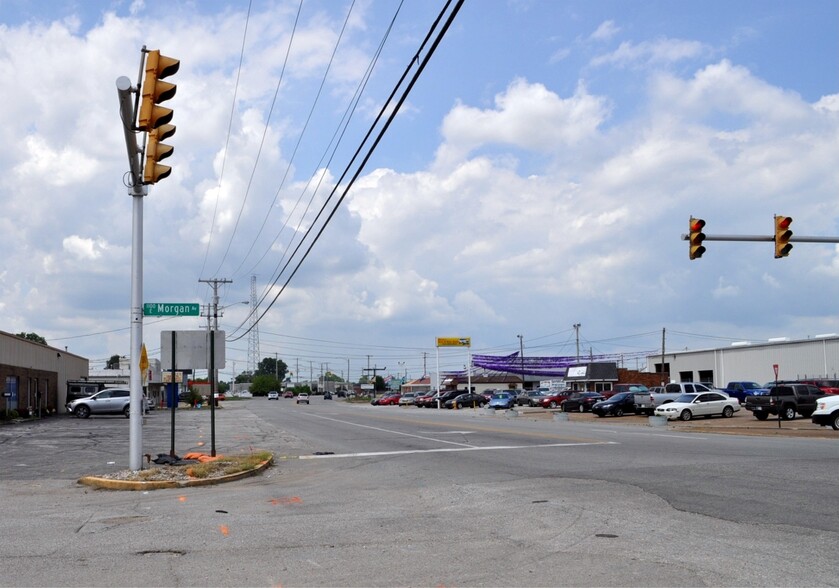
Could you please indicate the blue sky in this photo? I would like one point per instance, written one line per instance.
(539, 175)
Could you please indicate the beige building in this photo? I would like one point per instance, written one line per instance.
(33, 376)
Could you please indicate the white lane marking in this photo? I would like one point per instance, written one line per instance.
(453, 449)
(391, 431)
(449, 432)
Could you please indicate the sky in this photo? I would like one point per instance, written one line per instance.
(539, 174)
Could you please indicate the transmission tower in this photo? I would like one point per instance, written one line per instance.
(253, 336)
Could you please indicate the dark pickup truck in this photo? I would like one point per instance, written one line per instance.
(787, 399)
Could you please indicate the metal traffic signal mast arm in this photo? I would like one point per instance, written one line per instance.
(770, 238)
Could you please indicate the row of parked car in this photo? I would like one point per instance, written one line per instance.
(683, 401)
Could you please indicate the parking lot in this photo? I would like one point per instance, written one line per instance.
(742, 423)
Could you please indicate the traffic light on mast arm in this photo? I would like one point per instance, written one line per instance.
(154, 118)
(696, 238)
(782, 236)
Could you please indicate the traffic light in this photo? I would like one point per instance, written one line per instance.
(155, 151)
(154, 91)
(154, 118)
(696, 238)
(782, 236)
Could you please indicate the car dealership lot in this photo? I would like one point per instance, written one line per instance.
(742, 423)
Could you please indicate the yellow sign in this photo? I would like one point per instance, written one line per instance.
(454, 341)
(144, 358)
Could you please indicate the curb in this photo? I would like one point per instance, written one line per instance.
(110, 484)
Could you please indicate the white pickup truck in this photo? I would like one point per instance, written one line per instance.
(827, 412)
(648, 402)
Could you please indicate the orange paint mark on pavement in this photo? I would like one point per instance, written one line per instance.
(182, 498)
(224, 530)
(286, 500)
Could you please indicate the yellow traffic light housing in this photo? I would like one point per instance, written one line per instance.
(782, 236)
(155, 151)
(155, 119)
(696, 238)
(154, 91)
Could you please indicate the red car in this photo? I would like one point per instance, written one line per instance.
(387, 399)
(826, 386)
(550, 400)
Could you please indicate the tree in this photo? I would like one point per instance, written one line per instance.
(270, 366)
(331, 377)
(380, 385)
(262, 384)
(35, 337)
(112, 363)
(244, 378)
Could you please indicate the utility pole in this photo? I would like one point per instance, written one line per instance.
(214, 283)
(424, 371)
(662, 354)
(577, 329)
(521, 358)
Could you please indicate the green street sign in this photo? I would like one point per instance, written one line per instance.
(171, 309)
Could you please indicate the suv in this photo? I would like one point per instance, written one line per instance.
(108, 401)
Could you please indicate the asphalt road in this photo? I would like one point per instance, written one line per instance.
(383, 496)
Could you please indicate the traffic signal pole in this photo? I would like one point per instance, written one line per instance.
(137, 191)
(154, 120)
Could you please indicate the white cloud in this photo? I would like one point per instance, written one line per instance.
(605, 31)
(527, 116)
(651, 53)
(84, 249)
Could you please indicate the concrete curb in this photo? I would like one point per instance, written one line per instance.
(110, 484)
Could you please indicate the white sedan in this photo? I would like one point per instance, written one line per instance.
(704, 404)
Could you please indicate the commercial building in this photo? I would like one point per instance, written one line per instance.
(817, 357)
(34, 376)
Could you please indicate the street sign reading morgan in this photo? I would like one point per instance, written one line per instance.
(171, 309)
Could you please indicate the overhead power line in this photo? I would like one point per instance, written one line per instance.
(420, 68)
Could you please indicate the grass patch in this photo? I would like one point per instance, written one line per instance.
(227, 465)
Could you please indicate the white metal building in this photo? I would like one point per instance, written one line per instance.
(801, 359)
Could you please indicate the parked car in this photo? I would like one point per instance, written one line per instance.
(827, 412)
(740, 390)
(389, 399)
(302, 398)
(617, 405)
(444, 397)
(407, 399)
(273, 395)
(581, 401)
(826, 386)
(107, 401)
(426, 400)
(525, 396)
(505, 400)
(647, 402)
(549, 400)
(787, 399)
(468, 400)
(487, 394)
(706, 404)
